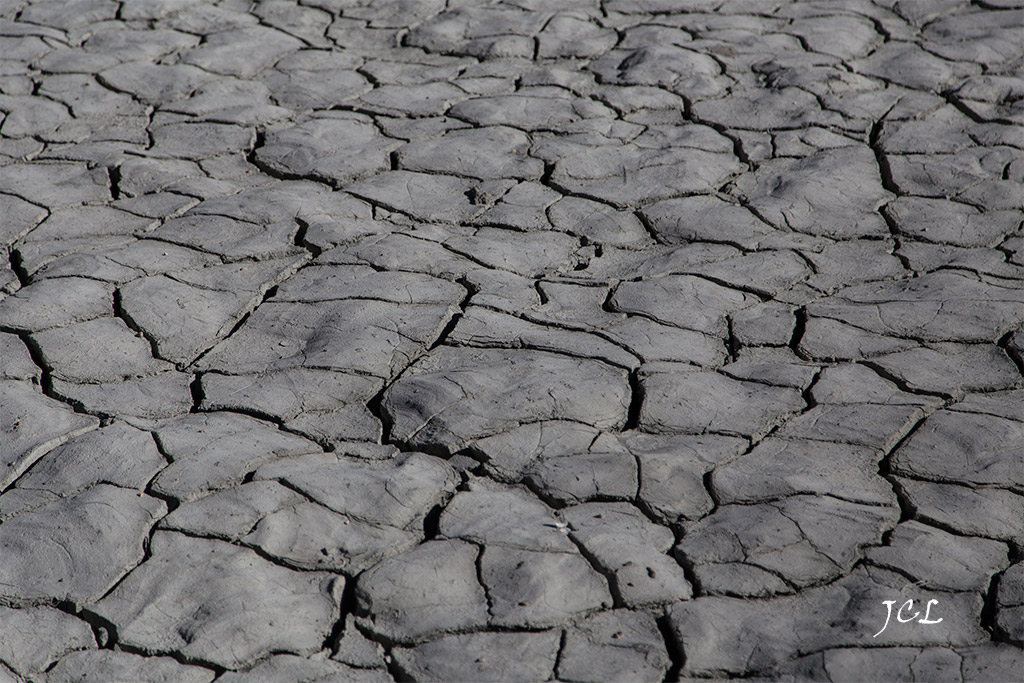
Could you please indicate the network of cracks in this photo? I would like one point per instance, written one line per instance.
(525, 340)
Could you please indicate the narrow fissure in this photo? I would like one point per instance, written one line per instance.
(636, 402)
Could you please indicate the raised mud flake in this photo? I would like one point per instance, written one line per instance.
(419, 99)
(643, 104)
(89, 221)
(524, 657)
(775, 366)
(183, 320)
(535, 589)
(230, 52)
(141, 177)
(682, 300)
(401, 251)
(568, 35)
(35, 255)
(528, 110)
(185, 598)
(802, 539)
(334, 147)
(288, 394)
(971, 309)
(395, 14)
(483, 327)
(75, 60)
(55, 185)
(309, 536)
(986, 512)
(832, 193)
(19, 217)
(200, 140)
(477, 30)
(862, 424)
(8, 279)
(912, 66)
(855, 383)
(778, 467)
(396, 492)
(672, 469)
(117, 454)
(964, 448)
(423, 592)
(845, 36)
(158, 397)
(1010, 603)
(507, 455)
(848, 665)
(662, 65)
(951, 368)
(340, 428)
(75, 548)
(840, 264)
(806, 141)
(925, 257)
(361, 335)
(992, 97)
(33, 424)
(455, 395)
(598, 222)
(777, 107)
(331, 282)
(306, 23)
(284, 201)
(946, 222)
(652, 341)
(999, 403)
(314, 79)
(231, 100)
(209, 451)
(705, 218)
(36, 637)
(420, 195)
(627, 175)
(618, 645)
(15, 361)
(827, 339)
(940, 559)
(71, 15)
(115, 665)
(945, 130)
(524, 207)
(959, 175)
(27, 117)
(486, 153)
(355, 649)
(527, 254)
(231, 513)
(631, 550)
(696, 402)
(494, 516)
(737, 636)
(190, 311)
(228, 237)
(155, 84)
(578, 478)
(286, 668)
(767, 273)
(425, 128)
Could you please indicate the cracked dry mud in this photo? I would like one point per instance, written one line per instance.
(532, 340)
